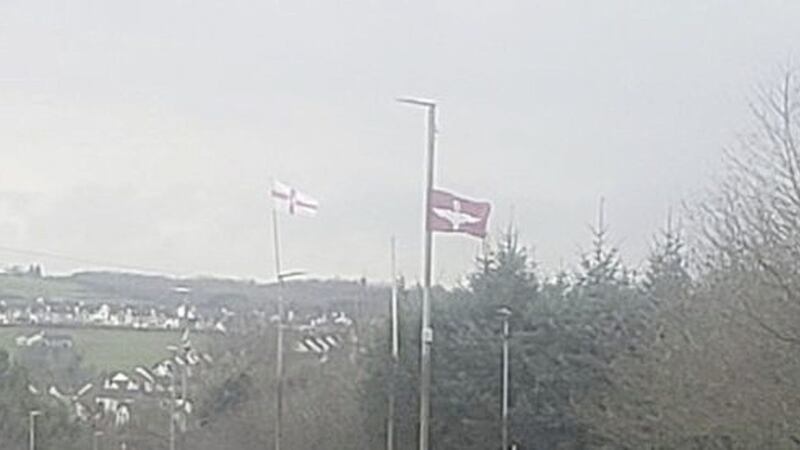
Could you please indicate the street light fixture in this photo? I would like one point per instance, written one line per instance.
(417, 101)
(504, 313)
(96, 442)
(32, 427)
(283, 276)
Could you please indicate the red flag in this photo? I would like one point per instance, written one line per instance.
(453, 214)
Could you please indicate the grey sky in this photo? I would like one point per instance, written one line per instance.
(145, 132)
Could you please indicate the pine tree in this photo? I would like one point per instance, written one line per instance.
(667, 275)
(504, 276)
(601, 270)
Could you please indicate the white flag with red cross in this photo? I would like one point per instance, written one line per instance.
(290, 200)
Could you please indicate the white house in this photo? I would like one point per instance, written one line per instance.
(122, 382)
(101, 315)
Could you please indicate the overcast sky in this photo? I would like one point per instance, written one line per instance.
(145, 133)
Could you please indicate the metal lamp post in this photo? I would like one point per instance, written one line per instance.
(505, 314)
(32, 427)
(426, 340)
(282, 276)
(395, 353)
(185, 325)
(96, 440)
(178, 353)
(172, 409)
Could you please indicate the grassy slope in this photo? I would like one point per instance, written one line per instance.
(104, 349)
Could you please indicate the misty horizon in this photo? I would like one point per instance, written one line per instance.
(136, 139)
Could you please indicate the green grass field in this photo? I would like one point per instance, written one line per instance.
(107, 349)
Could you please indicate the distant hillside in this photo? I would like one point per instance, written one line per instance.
(116, 287)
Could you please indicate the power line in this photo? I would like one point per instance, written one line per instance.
(82, 260)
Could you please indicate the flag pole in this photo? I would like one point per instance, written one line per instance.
(279, 352)
(395, 352)
(426, 334)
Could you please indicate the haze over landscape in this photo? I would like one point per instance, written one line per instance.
(146, 133)
(614, 225)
